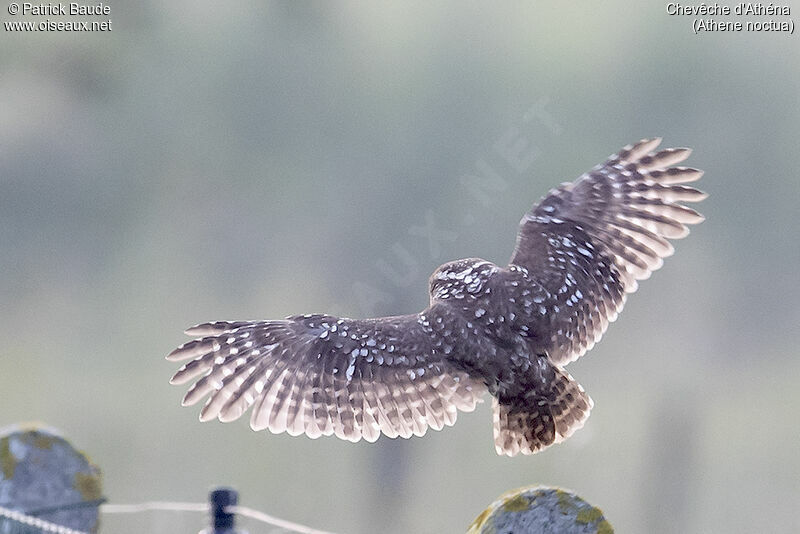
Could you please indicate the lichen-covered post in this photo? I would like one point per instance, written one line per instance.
(43, 475)
(540, 510)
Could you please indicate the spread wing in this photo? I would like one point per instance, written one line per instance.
(588, 242)
(322, 375)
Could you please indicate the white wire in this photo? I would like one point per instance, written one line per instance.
(39, 523)
(153, 505)
(274, 521)
(202, 507)
(47, 526)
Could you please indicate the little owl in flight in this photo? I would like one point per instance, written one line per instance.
(508, 331)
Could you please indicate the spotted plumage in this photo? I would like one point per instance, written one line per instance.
(507, 331)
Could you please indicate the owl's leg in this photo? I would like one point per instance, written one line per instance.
(546, 413)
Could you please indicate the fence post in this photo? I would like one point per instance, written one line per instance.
(223, 522)
(44, 475)
(540, 509)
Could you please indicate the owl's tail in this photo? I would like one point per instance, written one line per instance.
(535, 421)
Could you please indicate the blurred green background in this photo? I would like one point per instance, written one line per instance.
(209, 161)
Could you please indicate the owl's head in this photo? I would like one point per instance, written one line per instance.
(461, 279)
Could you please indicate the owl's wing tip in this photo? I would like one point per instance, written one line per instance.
(176, 355)
(198, 330)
